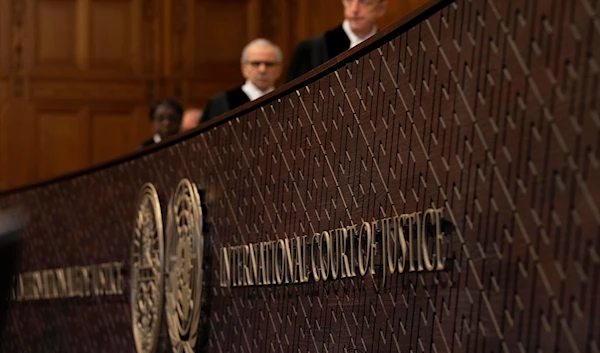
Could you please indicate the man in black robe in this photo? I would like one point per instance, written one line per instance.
(261, 67)
(359, 25)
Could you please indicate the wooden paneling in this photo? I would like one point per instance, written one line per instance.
(203, 41)
(4, 37)
(19, 138)
(88, 90)
(111, 45)
(225, 46)
(397, 10)
(314, 17)
(3, 90)
(55, 33)
(113, 134)
(63, 142)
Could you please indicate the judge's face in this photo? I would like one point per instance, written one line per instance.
(362, 14)
(166, 121)
(261, 66)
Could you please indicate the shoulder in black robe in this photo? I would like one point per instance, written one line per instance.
(315, 51)
(224, 102)
(148, 142)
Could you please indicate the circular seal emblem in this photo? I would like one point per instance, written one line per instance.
(183, 282)
(147, 273)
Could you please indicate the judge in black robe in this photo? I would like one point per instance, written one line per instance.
(224, 102)
(261, 67)
(358, 26)
(315, 51)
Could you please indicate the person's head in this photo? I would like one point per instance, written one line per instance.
(191, 119)
(362, 14)
(165, 116)
(261, 63)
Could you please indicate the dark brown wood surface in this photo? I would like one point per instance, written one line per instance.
(487, 108)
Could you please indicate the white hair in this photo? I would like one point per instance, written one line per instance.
(264, 43)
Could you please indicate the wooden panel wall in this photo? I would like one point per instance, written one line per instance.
(75, 91)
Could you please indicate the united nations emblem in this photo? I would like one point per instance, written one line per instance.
(147, 271)
(183, 283)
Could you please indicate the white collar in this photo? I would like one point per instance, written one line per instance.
(156, 138)
(354, 40)
(254, 92)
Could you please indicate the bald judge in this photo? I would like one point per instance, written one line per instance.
(358, 26)
(261, 67)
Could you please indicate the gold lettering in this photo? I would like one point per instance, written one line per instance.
(288, 262)
(19, 288)
(351, 231)
(241, 266)
(46, 292)
(271, 257)
(26, 286)
(364, 260)
(391, 250)
(431, 214)
(438, 239)
(111, 279)
(374, 228)
(279, 251)
(253, 265)
(298, 261)
(315, 246)
(417, 248)
(325, 258)
(233, 266)
(386, 239)
(412, 221)
(70, 283)
(335, 254)
(400, 222)
(38, 285)
(265, 263)
(119, 279)
(302, 261)
(345, 266)
(87, 290)
(61, 283)
(225, 270)
(95, 273)
(246, 280)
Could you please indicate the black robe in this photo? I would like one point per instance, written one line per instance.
(315, 51)
(224, 102)
(147, 143)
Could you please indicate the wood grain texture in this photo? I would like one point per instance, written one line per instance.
(4, 38)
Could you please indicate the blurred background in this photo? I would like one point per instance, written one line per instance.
(77, 77)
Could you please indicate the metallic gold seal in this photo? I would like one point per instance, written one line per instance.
(147, 274)
(183, 286)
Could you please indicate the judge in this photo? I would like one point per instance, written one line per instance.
(359, 25)
(165, 116)
(261, 67)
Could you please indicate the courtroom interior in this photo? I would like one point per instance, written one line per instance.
(299, 176)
